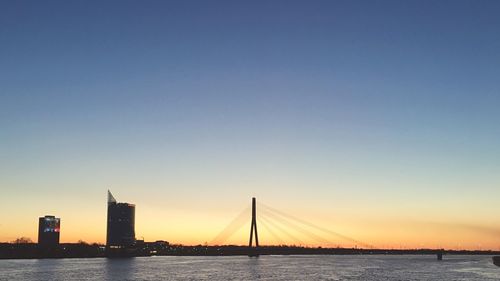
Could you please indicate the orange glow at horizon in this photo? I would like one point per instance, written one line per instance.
(194, 228)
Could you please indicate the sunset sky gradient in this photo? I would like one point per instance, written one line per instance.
(376, 119)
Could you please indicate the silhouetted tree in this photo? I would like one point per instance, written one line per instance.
(23, 240)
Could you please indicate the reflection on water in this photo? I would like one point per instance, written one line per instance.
(263, 268)
(119, 269)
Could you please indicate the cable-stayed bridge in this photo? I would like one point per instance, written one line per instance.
(284, 229)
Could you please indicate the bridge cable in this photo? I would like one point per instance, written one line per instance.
(268, 229)
(366, 245)
(236, 224)
(279, 228)
(296, 227)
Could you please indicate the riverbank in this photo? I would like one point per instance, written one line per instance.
(161, 248)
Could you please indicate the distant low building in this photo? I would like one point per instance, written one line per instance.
(49, 229)
(120, 224)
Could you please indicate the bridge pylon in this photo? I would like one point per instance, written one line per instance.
(253, 251)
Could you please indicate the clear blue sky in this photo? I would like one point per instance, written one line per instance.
(326, 103)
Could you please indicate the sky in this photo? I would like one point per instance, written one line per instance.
(375, 119)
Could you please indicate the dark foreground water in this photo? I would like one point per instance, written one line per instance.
(263, 268)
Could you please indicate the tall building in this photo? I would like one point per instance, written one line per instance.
(120, 225)
(49, 228)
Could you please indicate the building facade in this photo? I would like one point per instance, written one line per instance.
(49, 229)
(120, 224)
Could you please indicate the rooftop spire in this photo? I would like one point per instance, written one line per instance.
(111, 199)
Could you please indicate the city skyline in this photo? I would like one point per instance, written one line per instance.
(290, 233)
(374, 119)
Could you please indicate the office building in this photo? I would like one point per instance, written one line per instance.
(49, 229)
(120, 224)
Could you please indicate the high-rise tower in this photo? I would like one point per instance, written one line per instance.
(120, 224)
(48, 232)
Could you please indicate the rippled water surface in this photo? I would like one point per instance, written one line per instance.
(262, 268)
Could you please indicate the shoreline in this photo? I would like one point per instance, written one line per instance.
(82, 250)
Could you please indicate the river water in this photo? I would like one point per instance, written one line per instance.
(287, 268)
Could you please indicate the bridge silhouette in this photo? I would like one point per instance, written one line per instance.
(285, 229)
